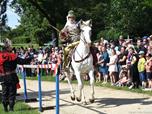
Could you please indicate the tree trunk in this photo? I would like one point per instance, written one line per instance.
(51, 19)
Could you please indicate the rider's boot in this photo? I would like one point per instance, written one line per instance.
(68, 64)
(65, 59)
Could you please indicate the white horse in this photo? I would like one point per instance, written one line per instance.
(82, 62)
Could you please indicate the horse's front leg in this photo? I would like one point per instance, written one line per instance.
(83, 96)
(80, 86)
(71, 87)
(91, 75)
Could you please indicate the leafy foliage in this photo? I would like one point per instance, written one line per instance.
(3, 17)
(111, 18)
(130, 17)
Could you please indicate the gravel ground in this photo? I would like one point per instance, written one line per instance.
(108, 101)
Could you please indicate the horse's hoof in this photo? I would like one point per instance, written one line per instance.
(78, 99)
(91, 100)
(84, 103)
(73, 98)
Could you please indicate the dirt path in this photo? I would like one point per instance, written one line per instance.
(108, 101)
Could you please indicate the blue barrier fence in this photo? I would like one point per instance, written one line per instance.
(26, 99)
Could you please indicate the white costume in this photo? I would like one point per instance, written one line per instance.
(70, 33)
(70, 29)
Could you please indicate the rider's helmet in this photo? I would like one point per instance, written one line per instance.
(71, 14)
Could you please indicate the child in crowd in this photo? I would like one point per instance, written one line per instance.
(148, 66)
(123, 78)
(141, 69)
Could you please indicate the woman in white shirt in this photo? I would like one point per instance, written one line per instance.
(113, 69)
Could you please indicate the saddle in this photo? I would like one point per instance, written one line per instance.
(92, 51)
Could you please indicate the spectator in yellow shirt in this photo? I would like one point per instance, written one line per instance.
(141, 69)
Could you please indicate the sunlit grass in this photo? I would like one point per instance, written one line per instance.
(20, 108)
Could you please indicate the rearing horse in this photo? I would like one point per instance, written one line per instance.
(82, 62)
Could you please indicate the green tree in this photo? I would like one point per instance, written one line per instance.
(111, 18)
(128, 17)
(3, 18)
(33, 13)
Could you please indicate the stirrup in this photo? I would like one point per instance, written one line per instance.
(69, 63)
(64, 67)
(67, 66)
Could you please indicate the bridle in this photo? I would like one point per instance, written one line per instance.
(85, 42)
(83, 39)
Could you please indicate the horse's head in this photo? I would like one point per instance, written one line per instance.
(85, 27)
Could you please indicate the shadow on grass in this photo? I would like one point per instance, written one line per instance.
(26, 108)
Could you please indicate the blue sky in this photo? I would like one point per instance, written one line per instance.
(12, 18)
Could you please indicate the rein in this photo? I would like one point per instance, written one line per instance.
(85, 42)
(78, 61)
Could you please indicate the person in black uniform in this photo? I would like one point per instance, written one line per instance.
(8, 76)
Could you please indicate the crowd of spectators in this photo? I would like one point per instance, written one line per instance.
(122, 63)
(125, 62)
(50, 55)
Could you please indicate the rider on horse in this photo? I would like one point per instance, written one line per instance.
(70, 34)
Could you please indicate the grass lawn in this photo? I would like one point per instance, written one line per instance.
(20, 108)
(139, 90)
(26, 45)
(51, 78)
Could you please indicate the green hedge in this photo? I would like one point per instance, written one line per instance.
(26, 45)
(21, 39)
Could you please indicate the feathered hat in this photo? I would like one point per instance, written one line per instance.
(7, 43)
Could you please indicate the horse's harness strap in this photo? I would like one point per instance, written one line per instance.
(84, 40)
(78, 61)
